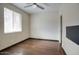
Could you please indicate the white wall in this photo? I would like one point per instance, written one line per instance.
(7, 40)
(70, 14)
(45, 25)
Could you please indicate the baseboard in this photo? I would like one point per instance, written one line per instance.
(45, 39)
(63, 51)
(14, 44)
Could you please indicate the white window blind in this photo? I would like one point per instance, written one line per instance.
(12, 21)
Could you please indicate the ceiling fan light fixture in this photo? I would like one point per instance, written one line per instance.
(34, 6)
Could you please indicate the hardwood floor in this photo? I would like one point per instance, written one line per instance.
(34, 47)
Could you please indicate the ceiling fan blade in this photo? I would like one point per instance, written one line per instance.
(28, 6)
(39, 6)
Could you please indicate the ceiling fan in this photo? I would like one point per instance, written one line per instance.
(35, 5)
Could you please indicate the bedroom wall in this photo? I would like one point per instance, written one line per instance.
(70, 13)
(7, 40)
(45, 25)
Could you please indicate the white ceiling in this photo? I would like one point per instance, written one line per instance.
(49, 7)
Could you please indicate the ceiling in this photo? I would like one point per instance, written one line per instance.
(49, 7)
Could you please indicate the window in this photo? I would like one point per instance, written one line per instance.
(12, 21)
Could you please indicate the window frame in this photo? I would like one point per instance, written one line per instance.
(13, 20)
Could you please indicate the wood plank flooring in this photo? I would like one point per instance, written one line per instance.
(34, 47)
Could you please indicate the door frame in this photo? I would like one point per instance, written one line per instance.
(61, 30)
